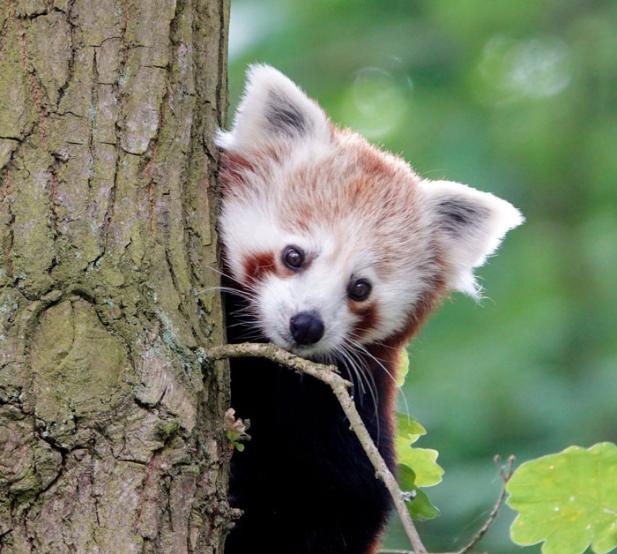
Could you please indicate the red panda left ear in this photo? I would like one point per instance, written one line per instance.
(273, 109)
(469, 225)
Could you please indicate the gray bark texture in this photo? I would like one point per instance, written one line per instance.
(111, 435)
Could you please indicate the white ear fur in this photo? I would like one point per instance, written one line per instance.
(273, 109)
(470, 225)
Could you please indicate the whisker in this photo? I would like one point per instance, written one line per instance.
(241, 324)
(365, 371)
(230, 277)
(355, 363)
(384, 345)
(230, 290)
(362, 371)
(388, 373)
(353, 371)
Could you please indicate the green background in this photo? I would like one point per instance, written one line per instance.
(518, 98)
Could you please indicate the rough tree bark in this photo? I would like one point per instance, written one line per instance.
(111, 437)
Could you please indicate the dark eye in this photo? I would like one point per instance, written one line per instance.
(359, 290)
(293, 257)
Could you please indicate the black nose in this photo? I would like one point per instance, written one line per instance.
(306, 327)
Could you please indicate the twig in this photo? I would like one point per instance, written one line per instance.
(505, 472)
(399, 551)
(329, 374)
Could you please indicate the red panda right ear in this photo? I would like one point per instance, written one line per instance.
(273, 109)
(469, 225)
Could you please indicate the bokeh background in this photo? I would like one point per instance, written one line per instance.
(516, 98)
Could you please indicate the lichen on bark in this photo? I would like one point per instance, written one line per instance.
(110, 434)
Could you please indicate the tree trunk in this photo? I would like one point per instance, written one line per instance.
(111, 437)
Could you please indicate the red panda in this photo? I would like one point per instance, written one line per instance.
(336, 251)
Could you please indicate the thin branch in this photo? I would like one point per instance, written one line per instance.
(505, 472)
(328, 374)
(399, 551)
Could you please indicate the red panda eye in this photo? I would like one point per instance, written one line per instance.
(293, 257)
(359, 290)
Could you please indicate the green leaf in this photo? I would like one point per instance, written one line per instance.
(408, 428)
(422, 508)
(567, 500)
(419, 506)
(406, 479)
(402, 368)
(417, 467)
(423, 461)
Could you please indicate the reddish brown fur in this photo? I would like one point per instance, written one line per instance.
(234, 169)
(374, 164)
(259, 265)
(368, 318)
(375, 547)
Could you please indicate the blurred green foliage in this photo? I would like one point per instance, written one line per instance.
(516, 98)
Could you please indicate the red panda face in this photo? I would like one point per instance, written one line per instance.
(335, 242)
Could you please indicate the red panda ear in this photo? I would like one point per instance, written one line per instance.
(273, 109)
(469, 225)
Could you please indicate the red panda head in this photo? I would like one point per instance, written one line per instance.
(335, 241)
